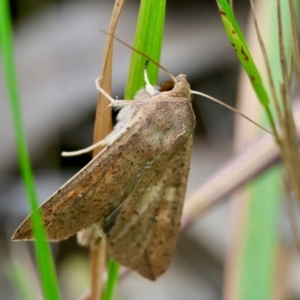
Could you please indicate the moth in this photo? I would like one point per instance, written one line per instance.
(132, 192)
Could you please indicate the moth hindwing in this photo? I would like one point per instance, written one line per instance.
(133, 190)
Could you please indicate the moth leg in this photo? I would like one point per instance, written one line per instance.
(85, 150)
(113, 102)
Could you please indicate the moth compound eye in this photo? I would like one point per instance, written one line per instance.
(167, 86)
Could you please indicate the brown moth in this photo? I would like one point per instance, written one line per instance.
(133, 191)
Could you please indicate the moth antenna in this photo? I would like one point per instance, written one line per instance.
(149, 87)
(231, 108)
(82, 151)
(141, 53)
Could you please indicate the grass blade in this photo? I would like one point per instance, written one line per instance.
(240, 46)
(257, 243)
(102, 127)
(19, 278)
(148, 40)
(112, 279)
(44, 258)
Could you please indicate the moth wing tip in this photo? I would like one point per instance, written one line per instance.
(23, 232)
(151, 274)
(152, 278)
(21, 236)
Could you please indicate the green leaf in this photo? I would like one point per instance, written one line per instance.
(19, 278)
(255, 262)
(112, 279)
(240, 46)
(260, 243)
(148, 40)
(44, 258)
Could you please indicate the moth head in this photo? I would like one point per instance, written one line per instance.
(167, 86)
(181, 87)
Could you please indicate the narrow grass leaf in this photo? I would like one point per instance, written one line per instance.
(19, 278)
(44, 258)
(258, 253)
(112, 279)
(240, 46)
(148, 40)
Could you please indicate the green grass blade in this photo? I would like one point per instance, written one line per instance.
(19, 278)
(260, 243)
(240, 46)
(256, 265)
(112, 279)
(44, 258)
(148, 40)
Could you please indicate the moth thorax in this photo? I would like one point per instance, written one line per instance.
(182, 87)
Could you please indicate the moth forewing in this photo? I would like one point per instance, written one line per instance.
(91, 194)
(151, 219)
(134, 188)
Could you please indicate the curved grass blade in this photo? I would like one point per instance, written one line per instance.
(258, 243)
(44, 258)
(240, 46)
